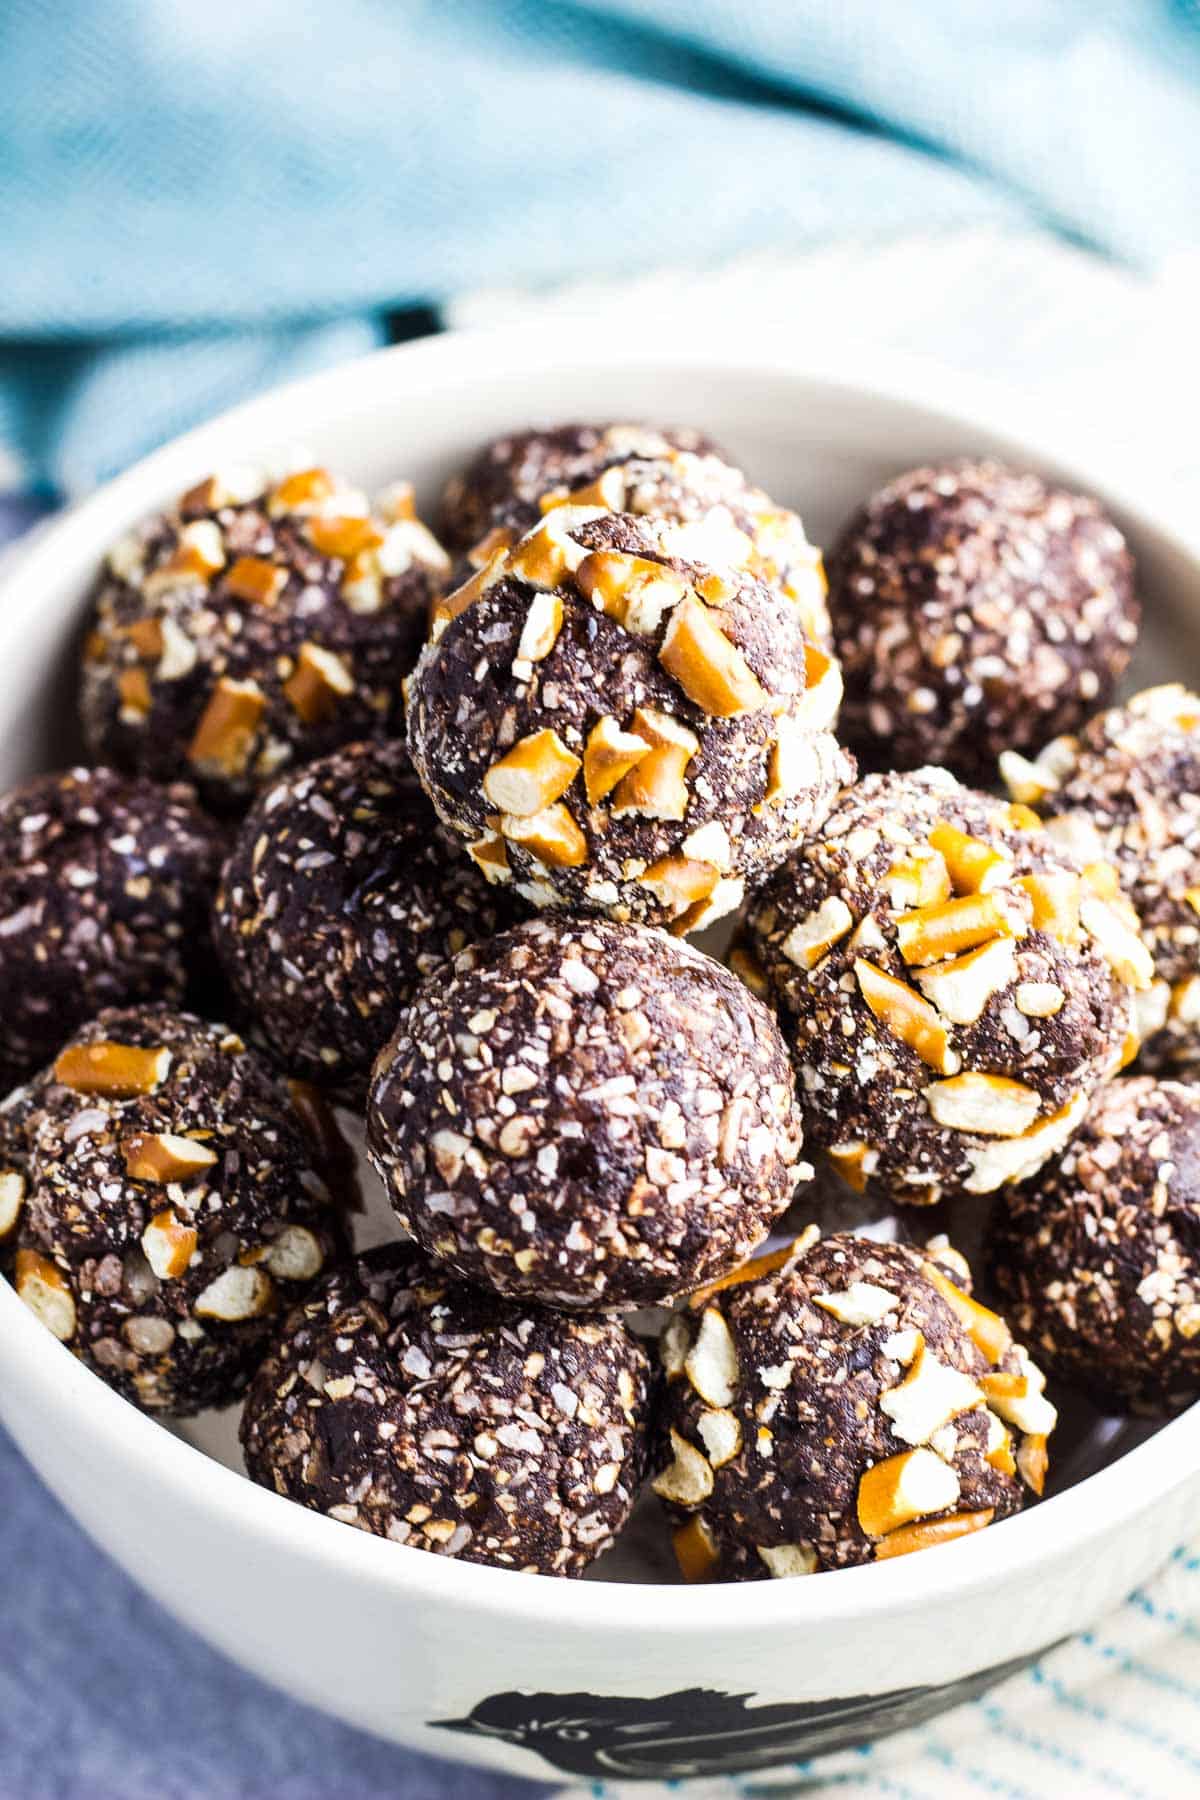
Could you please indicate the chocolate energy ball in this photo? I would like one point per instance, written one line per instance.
(953, 987)
(105, 882)
(705, 511)
(502, 484)
(587, 1113)
(975, 610)
(851, 1405)
(1127, 791)
(253, 626)
(14, 1186)
(424, 1411)
(341, 895)
(173, 1199)
(615, 729)
(1098, 1260)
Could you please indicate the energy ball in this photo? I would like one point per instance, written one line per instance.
(851, 1405)
(617, 730)
(704, 510)
(173, 1199)
(14, 1109)
(953, 987)
(1098, 1260)
(586, 1113)
(253, 626)
(502, 484)
(976, 609)
(421, 1410)
(105, 882)
(341, 895)
(1127, 791)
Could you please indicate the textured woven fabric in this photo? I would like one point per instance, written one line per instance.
(238, 181)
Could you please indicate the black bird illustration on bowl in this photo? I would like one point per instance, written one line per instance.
(702, 1731)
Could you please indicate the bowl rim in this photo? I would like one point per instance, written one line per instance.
(1112, 1497)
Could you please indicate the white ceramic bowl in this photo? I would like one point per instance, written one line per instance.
(595, 1678)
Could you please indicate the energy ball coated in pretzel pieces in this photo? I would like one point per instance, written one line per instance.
(616, 730)
(704, 509)
(953, 986)
(105, 883)
(587, 1113)
(505, 479)
(851, 1406)
(1098, 1260)
(172, 1201)
(706, 512)
(341, 895)
(414, 1407)
(1127, 790)
(976, 609)
(254, 626)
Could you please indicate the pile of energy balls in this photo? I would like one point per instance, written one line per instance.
(430, 824)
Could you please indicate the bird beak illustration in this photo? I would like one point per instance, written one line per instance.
(479, 1729)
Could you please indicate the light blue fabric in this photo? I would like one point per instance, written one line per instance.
(197, 199)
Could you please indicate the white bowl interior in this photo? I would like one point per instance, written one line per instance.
(818, 444)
